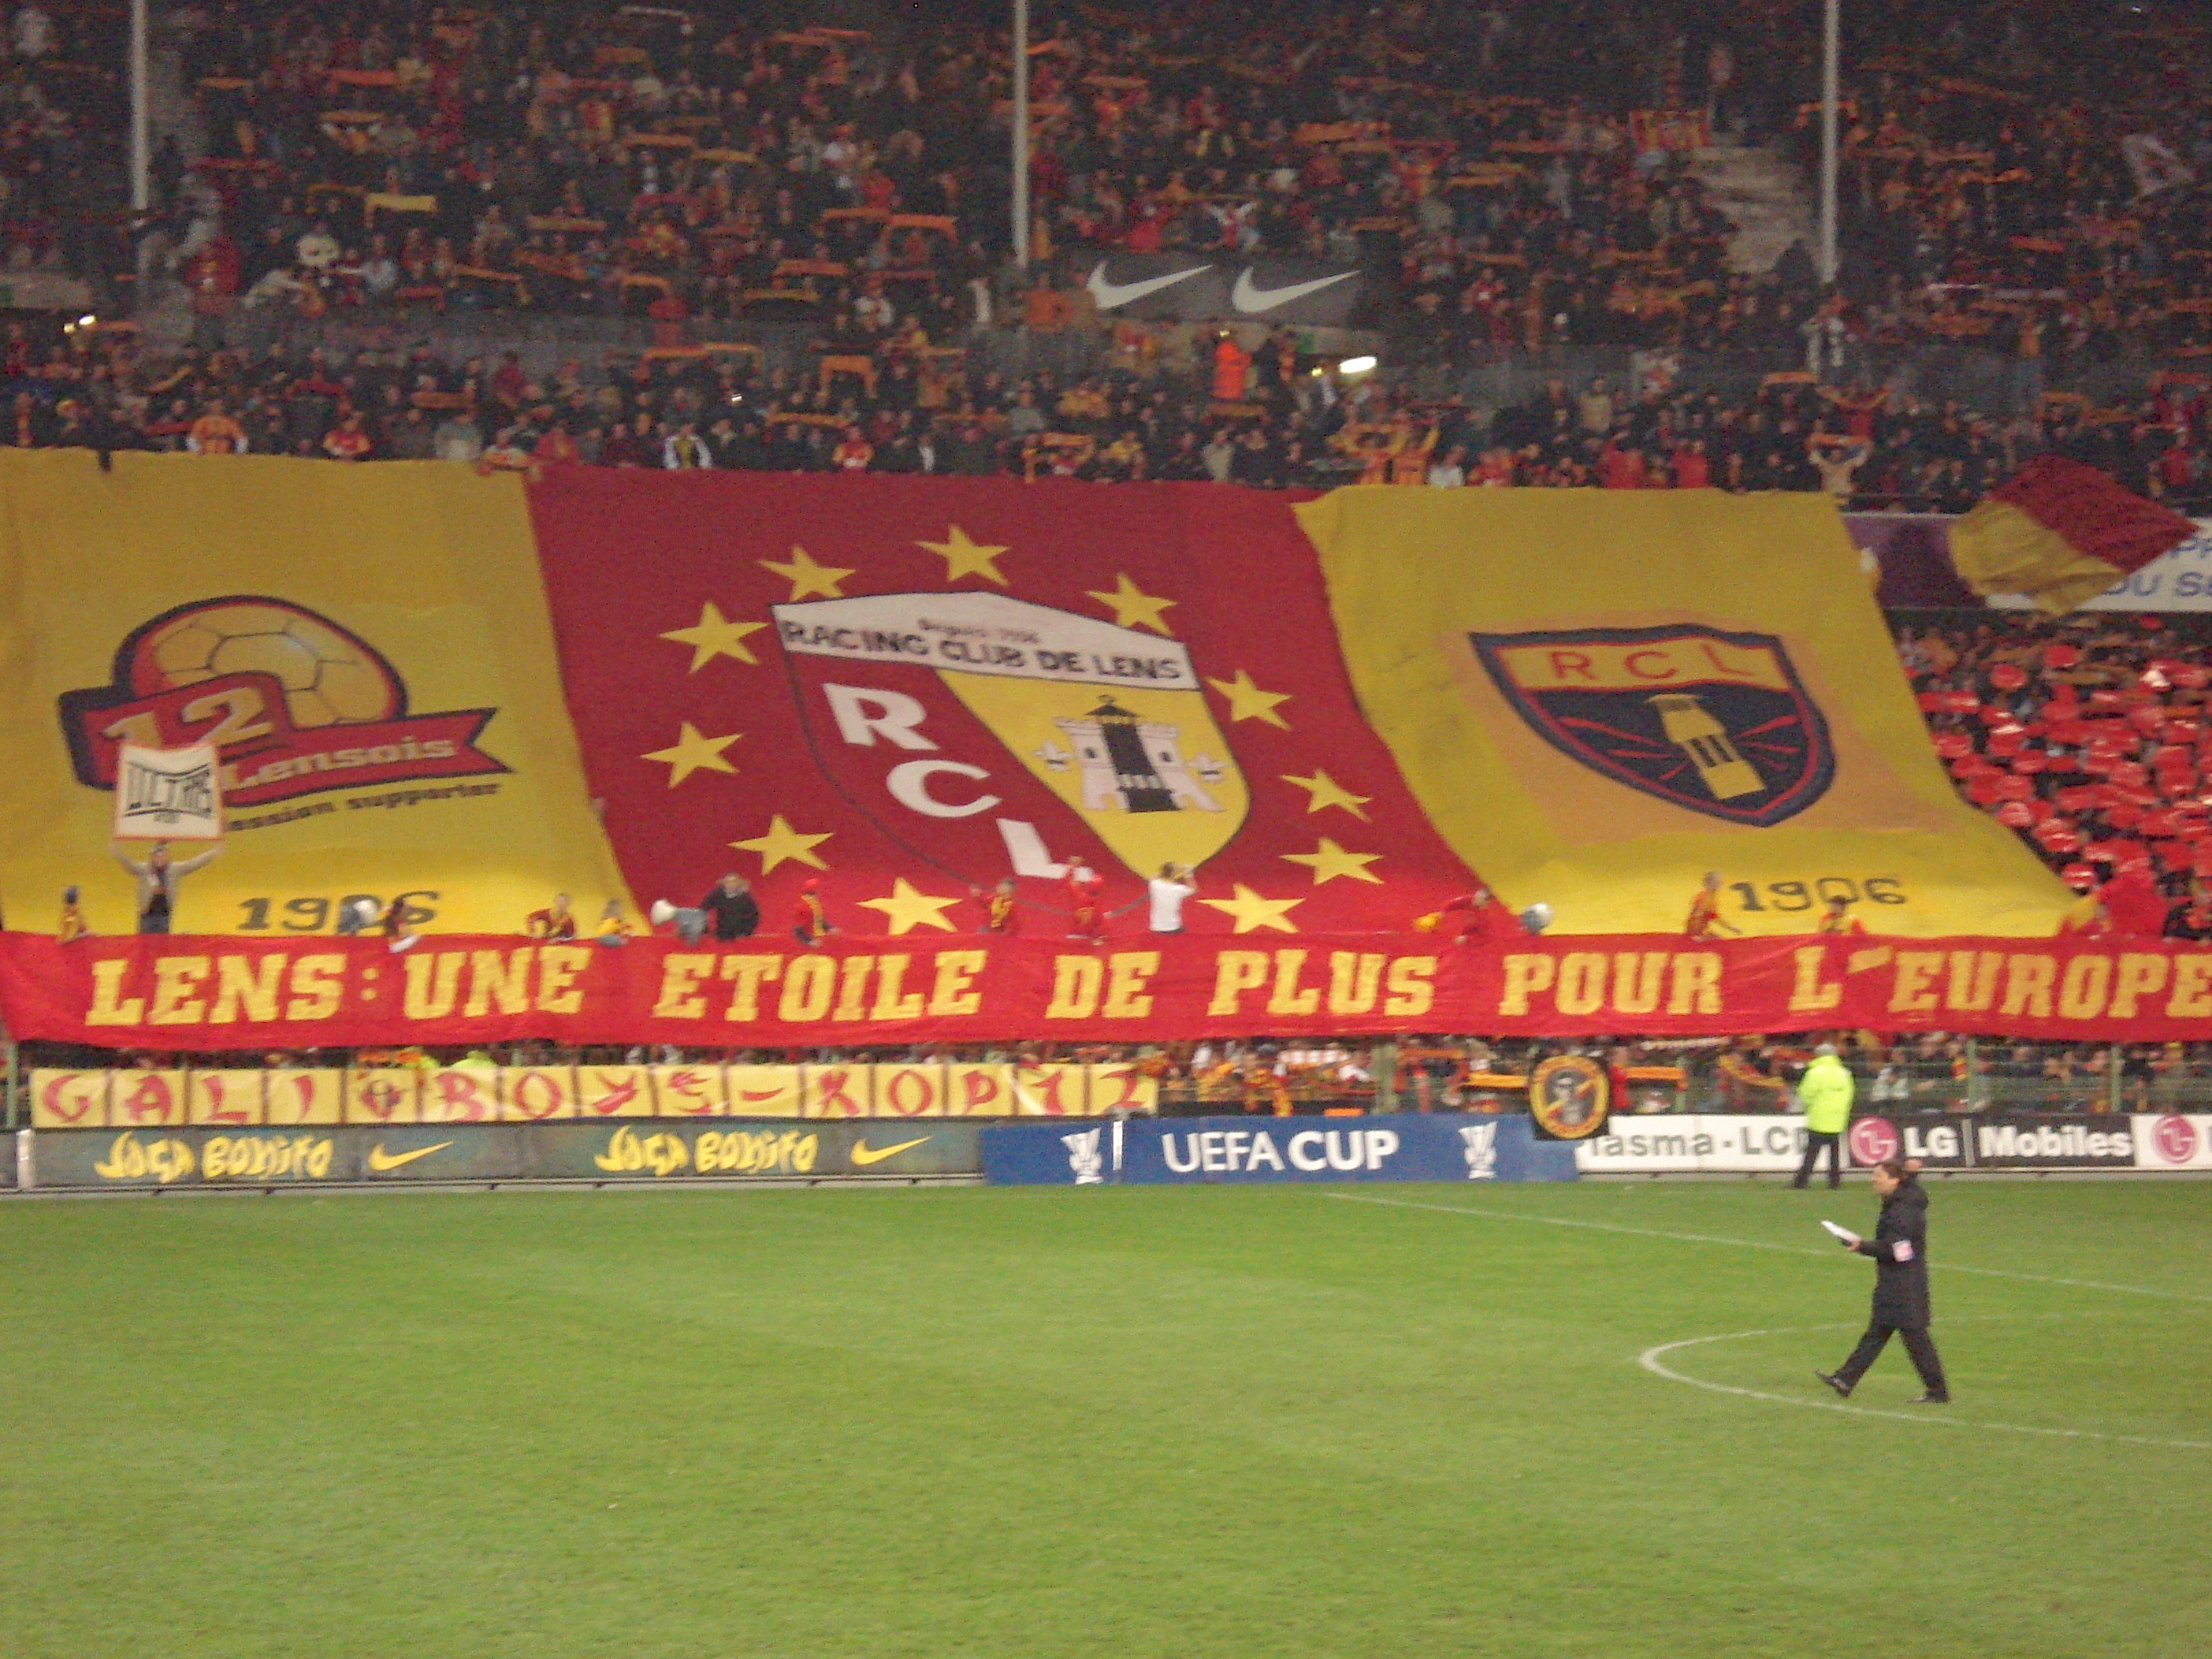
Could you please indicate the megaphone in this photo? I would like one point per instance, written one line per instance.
(691, 921)
(1537, 917)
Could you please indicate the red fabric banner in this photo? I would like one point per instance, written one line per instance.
(909, 687)
(196, 994)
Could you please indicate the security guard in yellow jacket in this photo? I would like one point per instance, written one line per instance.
(1825, 1091)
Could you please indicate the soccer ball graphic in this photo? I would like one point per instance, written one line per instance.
(329, 677)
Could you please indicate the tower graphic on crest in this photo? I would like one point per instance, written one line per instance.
(1136, 764)
(1690, 727)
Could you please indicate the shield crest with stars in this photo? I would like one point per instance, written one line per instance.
(990, 736)
(1713, 721)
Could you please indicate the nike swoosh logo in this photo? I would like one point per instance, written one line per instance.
(1109, 294)
(1249, 297)
(380, 1160)
(864, 1156)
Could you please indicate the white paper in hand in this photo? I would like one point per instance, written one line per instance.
(1843, 1233)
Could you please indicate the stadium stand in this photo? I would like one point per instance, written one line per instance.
(794, 232)
(912, 411)
(809, 220)
(2085, 735)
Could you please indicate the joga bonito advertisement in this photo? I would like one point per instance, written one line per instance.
(735, 1149)
(1442, 1146)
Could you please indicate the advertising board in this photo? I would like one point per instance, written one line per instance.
(1768, 1143)
(2049, 1141)
(2173, 1141)
(1439, 1147)
(736, 1149)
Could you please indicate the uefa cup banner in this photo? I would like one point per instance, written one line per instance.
(1245, 1150)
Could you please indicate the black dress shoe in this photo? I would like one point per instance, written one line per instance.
(1929, 1399)
(1837, 1383)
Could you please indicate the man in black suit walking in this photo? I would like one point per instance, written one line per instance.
(1899, 1249)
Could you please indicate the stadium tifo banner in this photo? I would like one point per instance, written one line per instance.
(1245, 1150)
(287, 1097)
(367, 652)
(904, 689)
(561, 1151)
(151, 991)
(1598, 697)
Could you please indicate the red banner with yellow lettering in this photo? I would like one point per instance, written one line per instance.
(196, 995)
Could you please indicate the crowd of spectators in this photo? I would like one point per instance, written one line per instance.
(63, 105)
(721, 163)
(1272, 417)
(2016, 180)
(2030, 179)
(2021, 179)
(2088, 735)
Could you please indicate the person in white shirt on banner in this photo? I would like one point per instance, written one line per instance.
(1170, 891)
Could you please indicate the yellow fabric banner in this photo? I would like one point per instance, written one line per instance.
(1599, 696)
(366, 648)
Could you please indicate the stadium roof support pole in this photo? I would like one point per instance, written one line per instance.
(141, 148)
(1832, 32)
(1021, 134)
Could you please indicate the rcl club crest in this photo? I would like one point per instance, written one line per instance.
(968, 725)
(293, 704)
(1713, 722)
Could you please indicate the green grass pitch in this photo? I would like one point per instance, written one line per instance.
(1184, 1423)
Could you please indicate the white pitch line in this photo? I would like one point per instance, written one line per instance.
(1750, 1244)
(1932, 1417)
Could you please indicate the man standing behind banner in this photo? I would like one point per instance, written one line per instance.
(157, 878)
(734, 910)
(1706, 909)
(1827, 1089)
(1168, 892)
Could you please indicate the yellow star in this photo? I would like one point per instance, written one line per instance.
(1132, 606)
(1251, 911)
(784, 845)
(692, 753)
(908, 909)
(808, 580)
(1329, 861)
(963, 557)
(1325, 790)
(1247, 702)
(715, 636)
